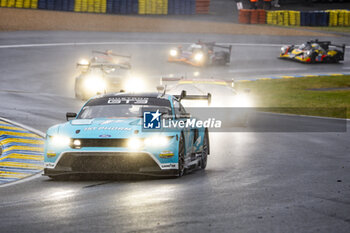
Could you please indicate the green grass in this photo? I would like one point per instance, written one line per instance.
(292, 95)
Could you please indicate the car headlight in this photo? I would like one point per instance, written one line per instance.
(242, 101)
(308, 53)
(83, 62)
(156, 141)
(60, 141)
(95, 84)
(135, 143)
(198, 57)
(173, 52)
(283, 49)
(134, 85)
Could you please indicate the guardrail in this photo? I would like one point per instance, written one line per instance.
(142, 7)
(331, 18)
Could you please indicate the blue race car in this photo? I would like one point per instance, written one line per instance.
(122, 133)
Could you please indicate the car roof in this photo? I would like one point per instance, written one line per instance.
(131, 94)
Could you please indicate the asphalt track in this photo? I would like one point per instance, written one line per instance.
(254, 182)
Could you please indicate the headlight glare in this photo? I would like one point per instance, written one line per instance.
(83, 62)
(173, 52)
(95, 84)
(156, 141)
(242, 101)
(59, 140)
(198, 57)
(135, 144)
(134, 85)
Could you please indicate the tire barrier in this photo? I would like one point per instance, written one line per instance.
(149, 7)
(153, 7)
(331, 18)
(202, 6)
(91, 6)
(252, 16)
(339, 18)
(244, 16)
(181, 7)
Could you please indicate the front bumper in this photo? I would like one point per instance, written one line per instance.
(108, 163)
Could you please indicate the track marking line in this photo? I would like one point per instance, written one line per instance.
(129, 43)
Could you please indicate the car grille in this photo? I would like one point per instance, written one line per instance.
(107, 162)
(101, 143)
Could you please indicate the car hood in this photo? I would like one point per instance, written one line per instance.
(101, 128)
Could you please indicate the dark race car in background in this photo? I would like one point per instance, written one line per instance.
(201, 54)
(105, 72)
(314, 51)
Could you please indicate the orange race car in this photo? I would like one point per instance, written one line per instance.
(201, 54)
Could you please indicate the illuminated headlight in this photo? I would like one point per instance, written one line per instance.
(83, 62)
(134, 85)
(156, 141)
(173, 52)
(283, 49)
(60, 141)
(198, 57)
(242, 101)
(95, 84)
(76, 143)
(308, 53)
(135, 143)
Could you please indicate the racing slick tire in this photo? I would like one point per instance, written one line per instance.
(313, 57)
(181, 163)
(205, 151)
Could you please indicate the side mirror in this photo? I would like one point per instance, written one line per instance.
(183, 94)
(70, 115)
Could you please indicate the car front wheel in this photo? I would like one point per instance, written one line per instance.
(205, 151)
(181, 163)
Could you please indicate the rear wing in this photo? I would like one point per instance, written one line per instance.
(193, 97)
(229, 48)
(125, 65)
(164, 80)
(213, 44)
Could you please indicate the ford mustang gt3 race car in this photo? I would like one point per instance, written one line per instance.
(223, 95)
(125, 133)
(106, 72)
(201, 54)
(314, 51)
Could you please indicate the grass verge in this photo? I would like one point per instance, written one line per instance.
(329, 97)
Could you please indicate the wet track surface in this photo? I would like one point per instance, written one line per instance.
(254, 182)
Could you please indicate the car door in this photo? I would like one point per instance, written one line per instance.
(180, 114)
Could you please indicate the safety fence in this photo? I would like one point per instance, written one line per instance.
(142, 7)
(331, 18)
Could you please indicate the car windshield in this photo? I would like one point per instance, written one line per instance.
(119, 111)
(123, 107)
